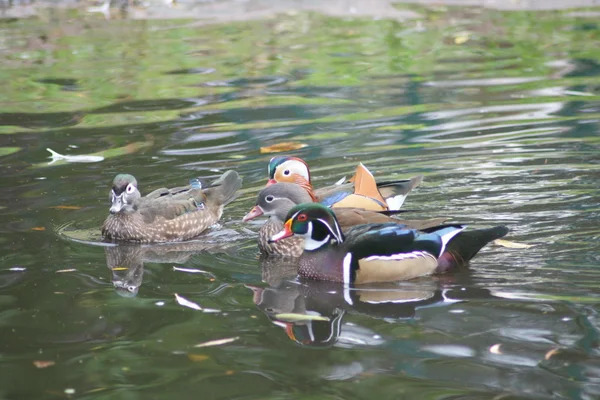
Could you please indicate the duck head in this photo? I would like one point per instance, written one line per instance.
(124, 194)
(313, 221)
(288, 169)
(276, 201)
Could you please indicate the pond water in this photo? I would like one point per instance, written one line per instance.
(499, 111)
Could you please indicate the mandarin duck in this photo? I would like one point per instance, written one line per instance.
(275, 201)
(361, 191)
(377, 252)
(166, 215)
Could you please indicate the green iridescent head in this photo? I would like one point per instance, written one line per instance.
(315, 222)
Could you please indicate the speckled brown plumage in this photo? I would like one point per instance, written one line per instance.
(168, 216)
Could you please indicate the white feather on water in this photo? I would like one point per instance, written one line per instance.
(77, 158)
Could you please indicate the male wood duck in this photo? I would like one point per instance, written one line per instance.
(276, 200)
(377, 252)
(166, 215)
(361, 191)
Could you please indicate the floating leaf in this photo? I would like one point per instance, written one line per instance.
(65, 270)
(191, 270)
(38, 228)
(551, 353)
(66, 207)
(119, 268)
(43, 364)
(186, 303)
(495, 349)
(17, 269)
(462, 37)
(279, 147)
(511, 245)
(198, 357)
(293, 317)
(217, 342)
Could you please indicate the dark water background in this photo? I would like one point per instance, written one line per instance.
(499, 110)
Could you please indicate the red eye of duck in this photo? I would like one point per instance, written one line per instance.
(302, 217)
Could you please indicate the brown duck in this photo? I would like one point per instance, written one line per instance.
(166, 215)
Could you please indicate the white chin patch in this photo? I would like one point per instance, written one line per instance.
(309, 242)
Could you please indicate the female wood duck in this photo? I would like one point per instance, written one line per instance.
(361, 191)
(166, 215)
(377, 252)
(276, 200)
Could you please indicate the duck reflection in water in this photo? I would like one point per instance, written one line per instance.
(312, 312)
(126, 261)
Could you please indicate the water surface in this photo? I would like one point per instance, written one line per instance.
(499, 111)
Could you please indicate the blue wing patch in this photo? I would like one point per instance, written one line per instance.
(335, 198)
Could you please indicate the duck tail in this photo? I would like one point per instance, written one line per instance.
(395, 192)
(223, 190)
(464, 246)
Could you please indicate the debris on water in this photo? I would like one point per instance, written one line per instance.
(495, 349)
(17, 269)
(77, 158)
(43, 364)
(293, 317)
(217, 342)
(198, 357)
(511, 245)
(186, 303)
(191, 270)
(280, 147)
(65, 270)
(551, 353)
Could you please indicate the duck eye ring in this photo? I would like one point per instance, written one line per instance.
(302, 217)
(287, 172)
(269, 199)
(130, 188)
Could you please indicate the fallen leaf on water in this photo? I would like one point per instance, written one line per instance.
(66, 207)
(551, 353)
(512, 245)
(198, 357)
(38, 228)
(43, 364)
(186, 303)
(120, 268)
(217, 342)
(191, 270)
(65, 270)
(495, 349)
(279, 147)
(292, 317)
(461, 39)
(229, 372)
